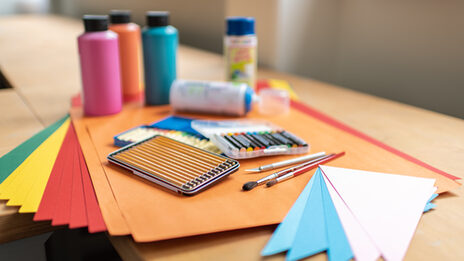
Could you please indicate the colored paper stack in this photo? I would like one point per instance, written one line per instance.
(47, 175)
(353, 214)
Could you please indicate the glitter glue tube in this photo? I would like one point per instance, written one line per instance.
(240, 49)
(99, 60)
(130, 45)
(225, 98)
(159, 40)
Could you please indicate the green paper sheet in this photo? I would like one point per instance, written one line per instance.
(10, 161)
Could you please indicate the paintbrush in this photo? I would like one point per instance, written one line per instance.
(287, 162)
(252, 184)
(303, 169)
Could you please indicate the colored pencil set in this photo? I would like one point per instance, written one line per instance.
(143, 132)
(174, 165)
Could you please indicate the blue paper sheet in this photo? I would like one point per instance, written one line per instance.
(311, 226)
(339, 247)
(283, 236)
(177, 123)
(311, 236)
(429, 204)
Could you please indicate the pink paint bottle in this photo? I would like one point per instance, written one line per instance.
(99, 57)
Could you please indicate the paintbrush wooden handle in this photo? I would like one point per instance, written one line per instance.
(309, 167)
(315, 164)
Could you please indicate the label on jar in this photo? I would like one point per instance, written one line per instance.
(241, 58)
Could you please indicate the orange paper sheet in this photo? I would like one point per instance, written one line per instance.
(151, 213)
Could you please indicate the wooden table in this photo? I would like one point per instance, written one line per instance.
(38, 55)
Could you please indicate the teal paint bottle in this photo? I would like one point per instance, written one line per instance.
(159, 40)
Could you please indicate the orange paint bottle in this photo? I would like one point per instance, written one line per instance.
(129, 54)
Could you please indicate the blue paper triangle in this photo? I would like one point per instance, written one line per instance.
(311, 226)
(433, 197)
(311, 236)
(339, 247)
(283, 236)
(429, 204)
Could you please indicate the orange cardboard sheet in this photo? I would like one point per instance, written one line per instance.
(151, 213)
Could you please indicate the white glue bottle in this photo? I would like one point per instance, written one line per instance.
(225, 98)
(240, 50)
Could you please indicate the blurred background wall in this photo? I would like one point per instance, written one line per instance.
(410, 51)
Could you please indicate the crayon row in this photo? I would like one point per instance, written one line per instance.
(141, 133)
(254, 141)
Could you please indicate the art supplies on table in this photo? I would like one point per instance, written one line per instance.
(143, 132)
(174, 165)
(226, 98)
(130, 47)
(100, 67)
(240, 139)
(225, 206)
(240, 50)
(160, 42)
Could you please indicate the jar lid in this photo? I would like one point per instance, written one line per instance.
(237, 25)
(120, 16)
(95, 23)
(157, 18)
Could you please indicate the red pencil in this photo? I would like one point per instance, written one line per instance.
(303, 169)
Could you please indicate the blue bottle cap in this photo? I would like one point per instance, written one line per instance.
(237, 25)
(249, 93)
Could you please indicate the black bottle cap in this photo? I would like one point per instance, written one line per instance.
(120, 16)
(95, 23)
(157, 18)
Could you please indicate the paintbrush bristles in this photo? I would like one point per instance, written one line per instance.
(249, 185)
(271, 183)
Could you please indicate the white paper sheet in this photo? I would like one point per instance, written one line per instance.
(387, 207)
(362, 246)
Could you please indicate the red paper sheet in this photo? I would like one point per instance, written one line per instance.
(62, 213)
(50, 196)
(78, 212)
(69, 197)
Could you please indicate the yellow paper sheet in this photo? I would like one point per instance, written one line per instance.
(283, 85)
(31, 203)
(35, 170)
